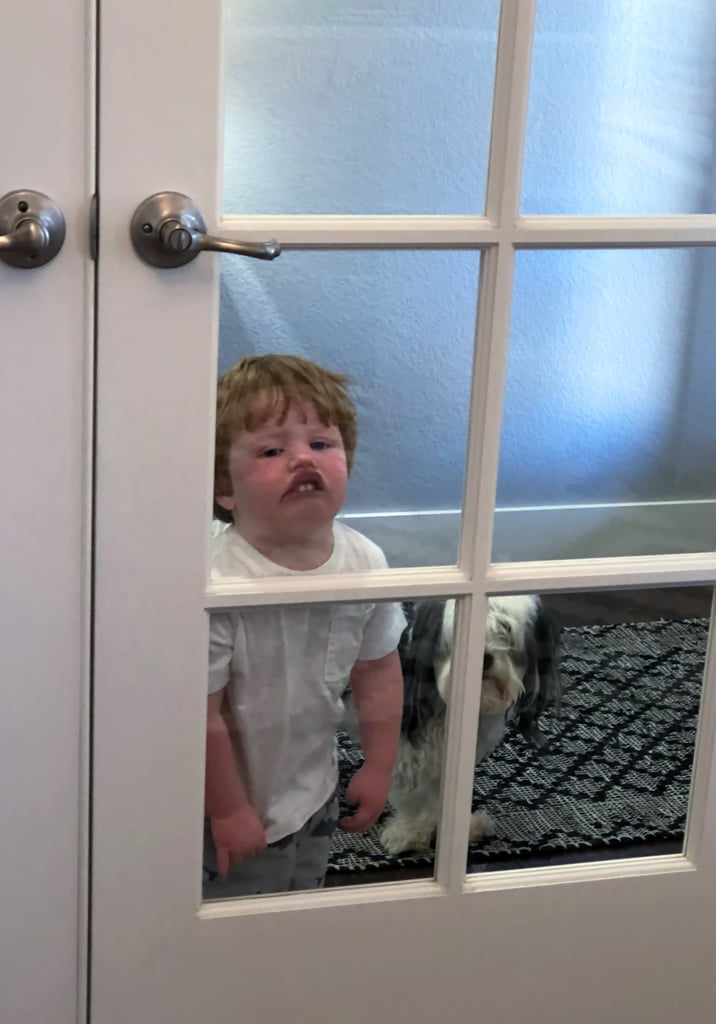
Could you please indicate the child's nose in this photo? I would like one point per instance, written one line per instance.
(302, 455)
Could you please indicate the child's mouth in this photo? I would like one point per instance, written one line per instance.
(305, 483)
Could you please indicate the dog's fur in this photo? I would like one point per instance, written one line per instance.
(519, 679)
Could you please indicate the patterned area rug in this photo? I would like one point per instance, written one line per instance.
(617, 768)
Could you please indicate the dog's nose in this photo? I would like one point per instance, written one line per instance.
(487, 661)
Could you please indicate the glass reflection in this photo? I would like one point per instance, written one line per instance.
(357, 108)
(609, 427)
(609, 771)
(401, 326)
(621, 108)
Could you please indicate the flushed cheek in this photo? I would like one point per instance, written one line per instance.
(261, 472)
(336, 484)
(341, 483)
(336, 468)
(257, 488)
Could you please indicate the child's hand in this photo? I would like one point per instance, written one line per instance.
(238, 836)
(369, 790)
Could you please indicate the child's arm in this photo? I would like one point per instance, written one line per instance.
(377, 688)
(236, 828)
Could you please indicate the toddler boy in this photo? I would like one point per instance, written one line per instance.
(285, 439)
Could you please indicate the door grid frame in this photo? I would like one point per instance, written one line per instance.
(498, 236)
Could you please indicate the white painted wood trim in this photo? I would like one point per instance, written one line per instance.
(509, 115)
(84, 860)
(324, 231)
(702, 806)
(46, 316)
(383, 585)
(489, 881)
(483, 447)
(357, 895)
(587, 574)
(459, 750)
(613, 232)
(571, 874)
(472, 232)
(592, 574)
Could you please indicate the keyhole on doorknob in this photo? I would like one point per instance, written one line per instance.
(175, 236)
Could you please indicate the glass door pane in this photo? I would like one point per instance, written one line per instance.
(401, 326)
(600, 765)
(621, 108)
(357, 107)
(609, 425)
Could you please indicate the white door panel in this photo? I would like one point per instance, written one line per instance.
(45, 79)
(624, 940)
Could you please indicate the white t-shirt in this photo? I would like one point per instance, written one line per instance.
(286, 669)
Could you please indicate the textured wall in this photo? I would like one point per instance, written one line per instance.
(364, 108)
(352, 106)
(402, 326)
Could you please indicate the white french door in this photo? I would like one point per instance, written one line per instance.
(45, 411)
(626, 939)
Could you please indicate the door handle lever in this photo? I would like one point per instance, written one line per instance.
(167, 230)
(32, 229)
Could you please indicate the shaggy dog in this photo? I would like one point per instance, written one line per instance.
(519, 679)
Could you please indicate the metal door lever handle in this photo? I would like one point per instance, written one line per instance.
(167, 230)
(32, 229)
(178, 238)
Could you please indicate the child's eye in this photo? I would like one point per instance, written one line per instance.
(270, 453)
(320, 446)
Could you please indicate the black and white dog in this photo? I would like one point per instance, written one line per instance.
(520, 678)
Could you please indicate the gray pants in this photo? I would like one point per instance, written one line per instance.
(298, 861)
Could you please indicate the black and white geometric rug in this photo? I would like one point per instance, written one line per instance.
(617, 768)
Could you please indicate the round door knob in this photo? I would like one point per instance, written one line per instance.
(32, 229)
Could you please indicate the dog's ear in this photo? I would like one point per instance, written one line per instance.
(421, 700)
(542, 680)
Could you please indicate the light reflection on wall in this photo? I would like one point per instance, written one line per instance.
(594, 375)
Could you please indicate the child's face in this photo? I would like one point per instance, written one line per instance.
(287, 479)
